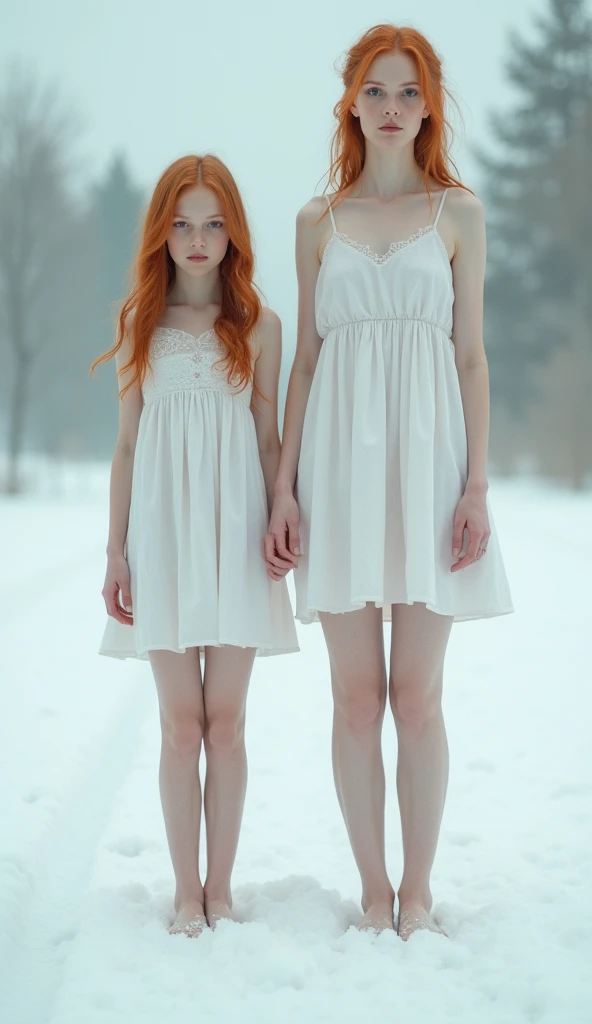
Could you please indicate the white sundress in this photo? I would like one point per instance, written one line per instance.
(198, 514)
(383, 460)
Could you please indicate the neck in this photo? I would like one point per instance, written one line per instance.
(388, 175)
(196, 291)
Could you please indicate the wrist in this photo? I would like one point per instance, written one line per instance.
(476, 485)
(283, 489)
(115, 551)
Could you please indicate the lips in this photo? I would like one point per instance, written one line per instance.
(197, 259)
(390, 128)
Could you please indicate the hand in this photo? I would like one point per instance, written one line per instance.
(281, 546)
(276, 567)
(470, 515)
(117, 592)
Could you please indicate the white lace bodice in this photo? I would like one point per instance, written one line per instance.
(183, 362)
(410, 283)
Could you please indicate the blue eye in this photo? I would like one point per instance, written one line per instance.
(373, 91)
(180, 224)
(215, 224)
(411, 93)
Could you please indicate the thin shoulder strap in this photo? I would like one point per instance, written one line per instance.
(441, 204)
(328, 201)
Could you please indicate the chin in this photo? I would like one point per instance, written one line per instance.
(388, 140)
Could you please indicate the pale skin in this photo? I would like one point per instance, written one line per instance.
(389, 203)
(197, 707)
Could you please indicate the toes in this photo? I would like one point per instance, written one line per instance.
(416, 920)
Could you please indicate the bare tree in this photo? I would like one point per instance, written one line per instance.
(37, 223)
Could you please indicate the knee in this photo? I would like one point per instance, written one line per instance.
(225, 730)
(182, 733)
(414, 704)
(361, 710)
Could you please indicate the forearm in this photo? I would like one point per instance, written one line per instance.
(120, 498)
(296, 402)
(474, 388)
(270, 461)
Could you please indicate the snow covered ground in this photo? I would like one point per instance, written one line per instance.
(85, 882)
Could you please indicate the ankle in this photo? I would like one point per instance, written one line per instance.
(415, 895)
(217, 894)
(186, 897)
(375, 897)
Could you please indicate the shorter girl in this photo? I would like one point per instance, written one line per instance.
(192, 482)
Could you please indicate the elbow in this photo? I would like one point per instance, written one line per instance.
(269, 447)
(125, 449)
(472, 364)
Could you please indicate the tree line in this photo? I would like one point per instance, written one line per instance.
(65, 259)
(64, 267)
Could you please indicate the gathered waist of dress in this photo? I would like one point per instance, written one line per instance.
(154, 392)
(440, 326)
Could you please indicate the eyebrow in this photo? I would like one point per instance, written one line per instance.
(403, 84)
(212, 216)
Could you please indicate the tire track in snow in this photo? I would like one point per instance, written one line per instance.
(33, 588)
(41, 926)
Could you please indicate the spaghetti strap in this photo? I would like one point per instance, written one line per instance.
(328, 201)
(439, 211)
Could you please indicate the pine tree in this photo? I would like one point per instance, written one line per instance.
(38, 246)
(115, 215)
(535, 266)
(113, 223)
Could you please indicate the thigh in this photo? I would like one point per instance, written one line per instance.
(355, 642)
(419, 640)
(226, 681)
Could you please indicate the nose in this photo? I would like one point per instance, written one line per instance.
(198, 241)
(391, 107)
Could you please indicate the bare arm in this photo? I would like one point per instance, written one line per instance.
(264, 406)
(117, 581)
(468, 269)
(283, 536)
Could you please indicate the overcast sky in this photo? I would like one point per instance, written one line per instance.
(253, 81)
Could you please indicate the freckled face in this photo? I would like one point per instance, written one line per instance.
(198, 238)
(390, 105)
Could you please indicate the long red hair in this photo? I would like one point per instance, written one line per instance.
(432, 144)
(154, 272)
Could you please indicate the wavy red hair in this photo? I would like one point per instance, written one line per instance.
(432, 144)
(154, 272)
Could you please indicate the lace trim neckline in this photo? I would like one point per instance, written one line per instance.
(187, 334)
(394, 247)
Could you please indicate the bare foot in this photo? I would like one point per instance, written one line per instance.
(378, 918)
(190, 920)
(218, 910)
(414, 918)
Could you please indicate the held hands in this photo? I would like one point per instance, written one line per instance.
(471, 515)
(116, 591)
(281, 544)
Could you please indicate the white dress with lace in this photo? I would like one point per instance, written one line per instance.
(198, 514)
(383, 460)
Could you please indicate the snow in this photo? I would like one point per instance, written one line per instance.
(85, 881)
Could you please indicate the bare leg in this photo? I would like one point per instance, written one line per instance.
(358, 674)
(226, 682)
(419, 640)
(180, 696)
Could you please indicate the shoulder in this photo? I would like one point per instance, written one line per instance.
(269, 321)
(309, 216)
(464, 206)
(464, 216)
(313, 230)
(268, 333)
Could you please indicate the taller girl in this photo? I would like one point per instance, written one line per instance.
(386, 430)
